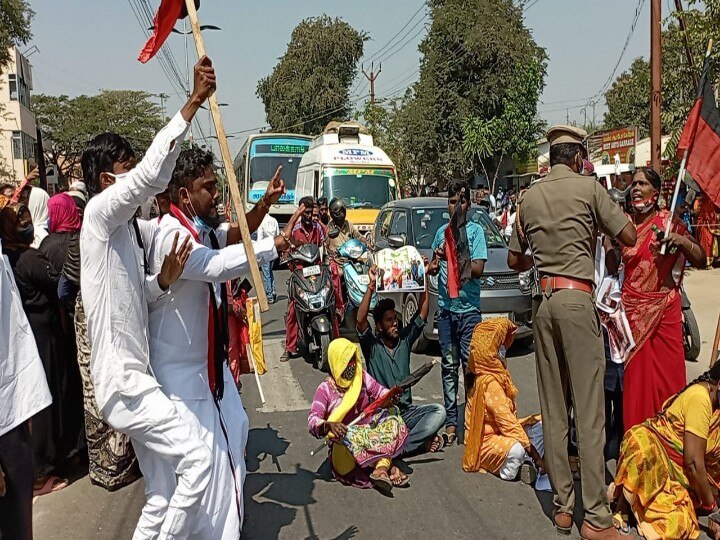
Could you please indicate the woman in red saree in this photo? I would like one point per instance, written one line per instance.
(655, 368)
(707, 223)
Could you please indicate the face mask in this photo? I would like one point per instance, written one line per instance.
(199, 222)
(26, 234)
(118, 177)
(645, 206)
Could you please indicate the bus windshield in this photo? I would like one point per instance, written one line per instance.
(266, 155)
(360, 188)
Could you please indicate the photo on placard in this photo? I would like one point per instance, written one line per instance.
(400, 269)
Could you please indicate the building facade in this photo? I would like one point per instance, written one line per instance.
(18, 133)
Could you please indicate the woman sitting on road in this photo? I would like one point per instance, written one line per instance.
(361, 454)
(496, 440)
(655, 368)
(669, 466)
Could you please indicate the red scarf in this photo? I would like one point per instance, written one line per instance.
(215, 356)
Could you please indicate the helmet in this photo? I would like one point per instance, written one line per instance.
(337, 208)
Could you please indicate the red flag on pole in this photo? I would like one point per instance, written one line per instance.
(701, 138)
(167, 15)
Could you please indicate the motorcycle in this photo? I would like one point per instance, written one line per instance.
(310, 286)
(355, 276)
(691, 330)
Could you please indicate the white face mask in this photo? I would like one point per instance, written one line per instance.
(646, 205)
(119, 177)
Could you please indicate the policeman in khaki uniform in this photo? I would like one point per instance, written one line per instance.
(556, 230)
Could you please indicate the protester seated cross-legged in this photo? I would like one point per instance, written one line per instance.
(387, 355)
(496, 440)
(669, 467)
(361, 454)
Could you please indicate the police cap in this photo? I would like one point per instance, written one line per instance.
(566, 134)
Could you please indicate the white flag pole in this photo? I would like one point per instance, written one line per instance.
(681, 172)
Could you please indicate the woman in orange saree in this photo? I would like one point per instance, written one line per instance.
(655, 367)
(669, 466)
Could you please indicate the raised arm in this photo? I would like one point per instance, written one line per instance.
(275, 190)
(364, 309)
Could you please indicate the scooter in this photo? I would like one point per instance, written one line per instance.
(310, 286)
(356, 269)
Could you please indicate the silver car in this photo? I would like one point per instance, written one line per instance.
(415, 222)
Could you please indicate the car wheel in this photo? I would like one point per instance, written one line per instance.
(410, 308)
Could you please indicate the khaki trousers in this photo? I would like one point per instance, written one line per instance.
(570, 358)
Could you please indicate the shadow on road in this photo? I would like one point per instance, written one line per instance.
(274, 499)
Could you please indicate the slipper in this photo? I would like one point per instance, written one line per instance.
(399, 480)
(382, 483)
(448, 438)
(438, 443)
(620, 521)
(51, 485)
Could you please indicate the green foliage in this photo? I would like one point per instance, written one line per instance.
(15, 17)
(310, 85)
(69, 123)
(475, 55)
(629, 97)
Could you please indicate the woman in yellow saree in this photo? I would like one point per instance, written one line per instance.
(669, 465)
(496, 440)
(360, 454)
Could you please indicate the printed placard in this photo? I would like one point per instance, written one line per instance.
(400, 269)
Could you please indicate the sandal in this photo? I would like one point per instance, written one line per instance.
(52, 484)
(620, 521)
(436, 444)
(382, 482)
(448, 438)
(398, 479)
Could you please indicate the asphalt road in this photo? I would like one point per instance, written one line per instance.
(289, 494)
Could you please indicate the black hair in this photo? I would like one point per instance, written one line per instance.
(381, 308)
(308, 201)
(5, 186)
(322, 201)
(564, 153)
(712, 376)
(100, 155)
(191, 165)
(652, 177)
(457, 186)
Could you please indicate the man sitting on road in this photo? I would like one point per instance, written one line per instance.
(387, 356)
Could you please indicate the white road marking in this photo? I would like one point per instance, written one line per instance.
(282, 390)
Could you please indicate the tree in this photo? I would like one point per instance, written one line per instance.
(628, 99)
(310, 85)
(69, 123)
(514, 132)
(473, 55)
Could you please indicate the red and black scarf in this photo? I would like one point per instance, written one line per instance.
(218, 336)
(457, 250)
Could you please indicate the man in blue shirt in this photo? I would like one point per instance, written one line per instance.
(456, 317)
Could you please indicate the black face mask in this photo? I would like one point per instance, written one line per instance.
(26, 235)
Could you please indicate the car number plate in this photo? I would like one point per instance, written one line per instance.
(311, 271)
(364, 280)
(487, 316)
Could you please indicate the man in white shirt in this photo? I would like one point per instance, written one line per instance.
(24, 392)
(115, 293)
(269, 228)
(188, 323)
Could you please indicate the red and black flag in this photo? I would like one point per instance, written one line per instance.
(701, 138)
(457, 249)
(164, 22)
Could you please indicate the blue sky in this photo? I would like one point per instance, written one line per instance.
(86, 45)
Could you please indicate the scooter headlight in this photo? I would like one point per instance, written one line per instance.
(316, 300)
(526, 281)
(355, 252)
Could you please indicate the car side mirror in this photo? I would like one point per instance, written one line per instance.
(396, 241)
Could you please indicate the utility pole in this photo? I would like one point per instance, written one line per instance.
(686, 38)
(163, 97)
(371, 77)
(655, 84)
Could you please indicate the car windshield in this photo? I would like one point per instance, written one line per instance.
(427, 221)
(359, 190)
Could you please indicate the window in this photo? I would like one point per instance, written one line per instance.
(399, 225)
(382, 228)
(12, 83)
(17, 145)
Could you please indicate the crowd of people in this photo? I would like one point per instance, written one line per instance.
(116, 341)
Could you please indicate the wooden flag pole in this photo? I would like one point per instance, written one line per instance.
(716, 344)
(229, 170)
